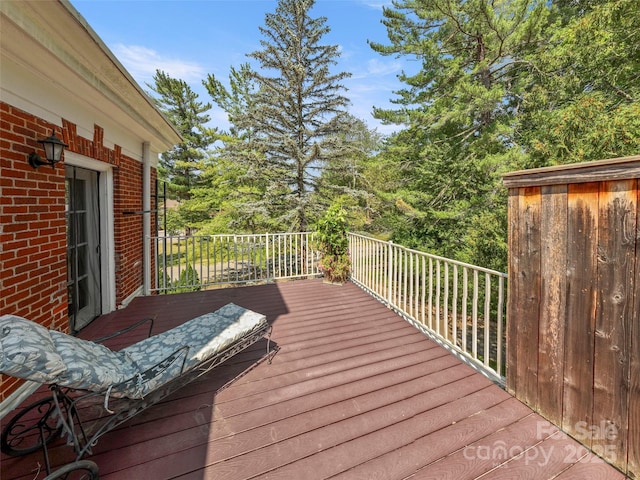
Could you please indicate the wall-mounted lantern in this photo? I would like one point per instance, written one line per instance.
(53, 148)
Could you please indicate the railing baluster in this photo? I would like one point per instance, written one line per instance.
(487, 318)
(405, 279)
(474, 330)
(416, 286)
(445, 303)
(172, 265)
(423, 291)
(465, 303)
(431, 293)
(279, 258)
(499, 333)
(454, 307)
(438, 288)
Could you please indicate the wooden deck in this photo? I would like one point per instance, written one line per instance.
(354, 392)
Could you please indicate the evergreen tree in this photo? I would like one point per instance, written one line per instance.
(244, 166)
(293, 120)
(585, 102)
(182, 165)
(351, 180)
(236, 100)
(459, 110)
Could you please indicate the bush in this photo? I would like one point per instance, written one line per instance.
(335, 263)
(188, 281)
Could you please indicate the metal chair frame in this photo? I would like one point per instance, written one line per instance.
(85, 416)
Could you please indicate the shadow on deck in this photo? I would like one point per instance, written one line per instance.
(354, 392)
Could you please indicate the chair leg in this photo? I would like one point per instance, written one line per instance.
(32, 429)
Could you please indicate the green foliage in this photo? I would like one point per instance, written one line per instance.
(336, 268)
(164, 280)
(332, 231)
(181, 166)
(584, 104)
(174, 224)
(347, 180)
(188, 281)
(502, 85)
(289, 116)
(334, 244)
(498, 86)
(459, 109)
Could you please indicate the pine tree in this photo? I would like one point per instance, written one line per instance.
(459, 109)
(585, 104)
(351, 179)
(181, 166)
(235, 161)
(293, 121)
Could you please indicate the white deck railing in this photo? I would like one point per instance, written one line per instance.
(460, 305)
(187, 263)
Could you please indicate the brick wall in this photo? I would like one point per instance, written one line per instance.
(33, 270)
(32, 228)
(128, 228)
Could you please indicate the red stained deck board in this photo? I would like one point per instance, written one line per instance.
(353, 391)
(413, 454)
(310, 411)
(405, 425)
(485, 454)
(236, 438)
(591, 467)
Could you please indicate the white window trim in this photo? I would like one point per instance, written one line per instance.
(107, 241)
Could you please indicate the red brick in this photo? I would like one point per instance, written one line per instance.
(14, 118)
(33, 219)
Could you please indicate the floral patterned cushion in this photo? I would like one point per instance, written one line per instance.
(91, 366)
(205, 336)
(27, 351)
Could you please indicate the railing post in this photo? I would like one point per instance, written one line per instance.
(268, 258)
(389, 272)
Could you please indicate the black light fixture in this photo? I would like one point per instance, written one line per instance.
(53, 148)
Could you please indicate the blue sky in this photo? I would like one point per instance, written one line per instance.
(189, 39)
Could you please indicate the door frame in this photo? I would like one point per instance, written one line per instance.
(107, 241)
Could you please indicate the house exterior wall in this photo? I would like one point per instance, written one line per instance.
(33, 267)
(57, 72)
(128, 229)
(32, 229)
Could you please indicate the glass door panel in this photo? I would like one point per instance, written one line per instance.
(83, 246)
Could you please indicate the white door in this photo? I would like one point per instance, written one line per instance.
(83, 246)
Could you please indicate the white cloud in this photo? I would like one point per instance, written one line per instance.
(142, 63)
(379, 68)
(377, 4)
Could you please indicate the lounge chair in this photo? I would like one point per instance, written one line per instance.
(94, 389)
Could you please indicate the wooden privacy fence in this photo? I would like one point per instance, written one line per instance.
(573, 331)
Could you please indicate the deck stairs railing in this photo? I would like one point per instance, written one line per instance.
(459, 305)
